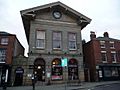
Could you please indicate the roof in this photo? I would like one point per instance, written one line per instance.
(3, 33)
(82, 19)
(107, 39)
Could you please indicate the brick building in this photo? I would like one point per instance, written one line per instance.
(102, 58)
(9, 47)
(53, 33)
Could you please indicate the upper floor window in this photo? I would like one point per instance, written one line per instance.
(111, 44)
(40, 39)
(113, 56)
(56, 40)
(102, 44)
(72, 41)
(104, 56)
(2, 55)
(4, 41)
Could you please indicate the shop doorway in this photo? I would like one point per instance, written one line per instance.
(39, 69)
(73, 69)
(18, 76)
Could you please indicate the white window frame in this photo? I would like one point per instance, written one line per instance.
(104, 52)
(72, 41)
(38, 38)
(115, 58)
(2, 55)
(59, 40)
(112, 42)
(4, 41)
(102, 44)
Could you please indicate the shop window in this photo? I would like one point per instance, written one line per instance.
(72, 69)
(107, 72)
(114, 72)
(57, 70)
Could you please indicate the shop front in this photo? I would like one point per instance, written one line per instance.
(109, 72)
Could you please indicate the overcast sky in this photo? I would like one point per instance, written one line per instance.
(105, 15)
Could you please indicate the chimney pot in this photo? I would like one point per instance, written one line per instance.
(106, 34)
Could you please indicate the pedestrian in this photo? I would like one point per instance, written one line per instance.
(4, 84)
(33, 82)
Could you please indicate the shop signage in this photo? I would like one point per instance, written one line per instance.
(64, 62)
(19, 70)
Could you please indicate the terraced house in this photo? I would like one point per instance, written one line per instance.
(102, 62)
(53, 33)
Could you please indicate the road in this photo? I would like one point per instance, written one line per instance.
(107, 87)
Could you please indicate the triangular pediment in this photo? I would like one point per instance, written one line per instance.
(40, 12)
(55, 5)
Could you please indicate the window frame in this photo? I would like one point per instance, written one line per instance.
(3, 56)
(102, 44)
(36, 43)
(4, 41)
(105, 54)
(72, 41)
(60, 40)
(112, 46)
(114, 56)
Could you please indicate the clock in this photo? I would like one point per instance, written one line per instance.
(57, 14)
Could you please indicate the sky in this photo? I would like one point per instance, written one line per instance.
(105, 15)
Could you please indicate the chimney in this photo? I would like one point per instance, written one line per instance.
(92, 35)
(106, 34)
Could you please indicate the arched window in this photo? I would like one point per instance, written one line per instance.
(57, 70)
(72, 69)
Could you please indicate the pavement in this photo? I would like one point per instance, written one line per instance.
(82, 86)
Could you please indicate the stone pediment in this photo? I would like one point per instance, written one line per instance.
(46, 12)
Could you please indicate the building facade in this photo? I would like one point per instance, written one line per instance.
(53, 32)
(102, 58)
(9, 47)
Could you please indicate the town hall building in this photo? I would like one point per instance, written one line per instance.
(53, 33)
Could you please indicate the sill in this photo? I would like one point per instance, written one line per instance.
(102, 47)
(104, 61)
(40, 48)
(57, 49)
(2, 62)
(114, 62)
(112, 48)
(72, 49)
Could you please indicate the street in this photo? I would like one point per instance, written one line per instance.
(107, 87)
(110, 85)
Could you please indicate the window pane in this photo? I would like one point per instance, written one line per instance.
(113, 57)
(4, 41)
(72, 45)
(56, 35)
(72, 37)
(102, 44)
(107, 72)
(56, 40)
(40, 34)
(40, 43)
(2, 55)
(57, 44)
(104, 57)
